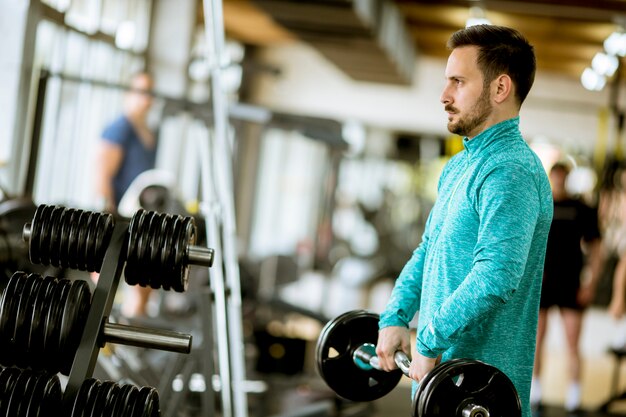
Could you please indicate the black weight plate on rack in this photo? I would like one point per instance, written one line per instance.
(37, 322)
(344, 335)
(104, 392)
(24, 329)
(27, 395)
(176, 225)
(9, 384)
(152, 406)
(73, 239)
(92, 397)
(5, 395)
(112, 397)
(78, 247)
(54, 246)
(9, 348)
(159, 274)
(90, 240)
(122, 401)
(153, 270)
(81, 397)
(17, 394)
(64, 239)
(23, 320)
(180, 276)
(46, 230)
(53, 326)
(104, 237)
(51, 403)
(36, 395)
(129, 401)
(7, 319)
(34, 241)
(69, 311)
(143, 243)
(78, 304)
(471, 382)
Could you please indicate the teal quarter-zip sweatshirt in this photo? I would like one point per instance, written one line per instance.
(475, 278)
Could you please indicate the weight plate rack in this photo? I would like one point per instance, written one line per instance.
(50, 325)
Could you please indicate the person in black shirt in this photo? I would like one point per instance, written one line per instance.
(573, 243)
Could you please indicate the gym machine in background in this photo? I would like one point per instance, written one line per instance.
(50, 325)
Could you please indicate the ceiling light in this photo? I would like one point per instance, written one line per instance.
(477, 17)
(615, 44)
(591, 80)
(604, 64)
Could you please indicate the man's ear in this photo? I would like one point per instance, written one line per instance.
(503, 86)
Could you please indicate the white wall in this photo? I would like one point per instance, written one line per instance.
(557, 108)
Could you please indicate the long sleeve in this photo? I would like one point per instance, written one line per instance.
(508, 208)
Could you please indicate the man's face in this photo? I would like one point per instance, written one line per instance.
(466, 98)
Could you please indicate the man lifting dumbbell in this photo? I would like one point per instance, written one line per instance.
(476, 276)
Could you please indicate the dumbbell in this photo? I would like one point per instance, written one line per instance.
(346, 360)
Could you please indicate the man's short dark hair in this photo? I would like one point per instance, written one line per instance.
(501, 50)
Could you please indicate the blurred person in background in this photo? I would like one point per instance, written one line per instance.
(573, 243)
(126, 149)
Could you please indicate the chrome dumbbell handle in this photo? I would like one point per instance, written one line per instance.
(367, 353)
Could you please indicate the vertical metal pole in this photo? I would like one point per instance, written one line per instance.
(36, 133)
(210, 210)
(222, 157)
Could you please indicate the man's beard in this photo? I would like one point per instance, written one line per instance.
(479, 114)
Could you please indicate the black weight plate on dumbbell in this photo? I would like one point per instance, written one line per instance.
(344, 335)
(37, 322)
(131, 246)
(143, 247)
(158, 253)
(471, 382)
(23, 320)
(426, 384)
